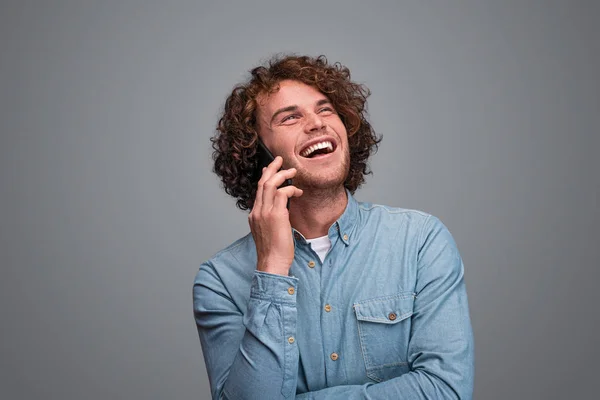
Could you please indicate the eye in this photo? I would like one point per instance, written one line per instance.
(289, 118)
(326, 109)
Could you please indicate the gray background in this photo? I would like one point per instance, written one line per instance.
(490, 116)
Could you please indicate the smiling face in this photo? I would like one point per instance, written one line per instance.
(299, 123)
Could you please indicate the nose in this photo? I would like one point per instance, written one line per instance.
(314, 122)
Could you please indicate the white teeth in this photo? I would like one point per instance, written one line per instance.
(322, 145)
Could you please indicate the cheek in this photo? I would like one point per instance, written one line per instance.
(337, 124)
(287, 148)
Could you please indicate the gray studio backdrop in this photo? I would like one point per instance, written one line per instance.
(490, 116)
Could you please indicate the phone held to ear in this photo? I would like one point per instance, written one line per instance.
(265, 157)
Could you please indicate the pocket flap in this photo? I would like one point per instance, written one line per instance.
(385, 310)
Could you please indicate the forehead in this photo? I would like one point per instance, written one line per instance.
(288, 93)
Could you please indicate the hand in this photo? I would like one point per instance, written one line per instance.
(269, 219)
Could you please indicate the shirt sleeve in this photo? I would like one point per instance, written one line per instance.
(440, 351)
(254, 355)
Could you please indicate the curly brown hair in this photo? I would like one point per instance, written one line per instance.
(235, 142)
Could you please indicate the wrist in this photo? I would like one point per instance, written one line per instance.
(274, 267)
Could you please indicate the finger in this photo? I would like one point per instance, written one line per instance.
(280, 177)
(285, 193)
(271, 186)
(267, 173)
(271, 169)
(258, 196)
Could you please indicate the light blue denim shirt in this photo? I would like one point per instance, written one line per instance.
(385, 316)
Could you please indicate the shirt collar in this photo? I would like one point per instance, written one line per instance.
(343, 227)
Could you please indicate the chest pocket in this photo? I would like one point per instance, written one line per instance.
(384, 331)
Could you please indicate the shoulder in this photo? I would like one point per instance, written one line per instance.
(238, 258)
(228, 274)
(417, 225)
(410, 219)
(240, 247)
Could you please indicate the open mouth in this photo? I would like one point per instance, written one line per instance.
(318, 149)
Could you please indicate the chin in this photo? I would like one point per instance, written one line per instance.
(327, 181)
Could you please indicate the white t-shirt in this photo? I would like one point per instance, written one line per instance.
(320, 245)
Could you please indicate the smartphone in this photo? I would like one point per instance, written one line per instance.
(265, 157)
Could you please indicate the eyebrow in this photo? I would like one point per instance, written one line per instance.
(295, 108)
(282, 110)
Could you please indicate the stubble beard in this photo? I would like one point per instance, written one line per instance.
(328, 181)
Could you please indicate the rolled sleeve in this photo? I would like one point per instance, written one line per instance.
(274, 288)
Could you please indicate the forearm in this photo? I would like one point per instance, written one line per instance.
(254, 355)
(414, 385)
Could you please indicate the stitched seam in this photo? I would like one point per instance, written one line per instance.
(420, 240)
(371, 375)
(400, 318)
(403, 296)
(271, 300)
(370, 368)
(362, 347)
(397, 364)
(230, 249)
(392, 210)
(287, 349)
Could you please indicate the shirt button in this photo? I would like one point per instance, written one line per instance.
(334, 356)
(327, 307)
(345, 237)
(392, 316)
(311, 264)
(291, 290)
(291, 340)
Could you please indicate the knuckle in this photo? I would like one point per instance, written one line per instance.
(269, 185)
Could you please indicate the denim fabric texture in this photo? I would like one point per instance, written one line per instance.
(385, 316)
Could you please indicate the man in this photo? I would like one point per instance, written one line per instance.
(331, 299)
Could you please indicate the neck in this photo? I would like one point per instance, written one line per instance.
(313, 213)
